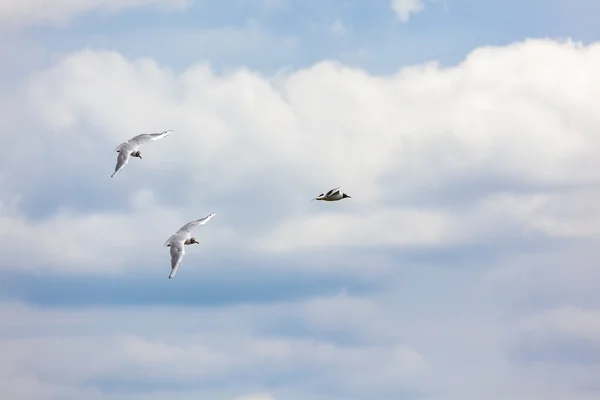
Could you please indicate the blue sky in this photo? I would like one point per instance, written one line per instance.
(269, 36)
(463, 267)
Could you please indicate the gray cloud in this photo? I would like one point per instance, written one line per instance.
(473, 214)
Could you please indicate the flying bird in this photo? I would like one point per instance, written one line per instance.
(183, 237)
(130, 148)
(332, 195)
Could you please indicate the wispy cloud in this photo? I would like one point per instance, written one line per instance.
(405, 8)
(338, 29)
(16, 13)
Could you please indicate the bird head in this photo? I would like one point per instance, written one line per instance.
(345, 195)
(193, 240)
(138, 154)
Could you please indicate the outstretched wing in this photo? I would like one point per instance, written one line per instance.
(148, 137)
(122, 159)
(333, 191)
(190, 226)
(177, 253)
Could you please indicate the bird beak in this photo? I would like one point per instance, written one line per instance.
(140, 157)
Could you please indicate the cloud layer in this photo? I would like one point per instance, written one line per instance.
(436, 156)
(463, 266)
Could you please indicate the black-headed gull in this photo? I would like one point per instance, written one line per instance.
(332, 195)
(182, 237)
(130, 147)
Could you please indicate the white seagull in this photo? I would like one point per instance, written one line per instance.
(182, 237)
(332, 195)
(130, 147)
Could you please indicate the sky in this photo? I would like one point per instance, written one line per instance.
(463, 267)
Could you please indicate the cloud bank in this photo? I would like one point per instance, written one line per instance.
(473, 219)
(410, 146)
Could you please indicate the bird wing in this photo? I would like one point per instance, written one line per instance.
(174, 238)
(148, 137)
(177, 253)
(122, 159)
(125, 146)
(333, 191)
(190, 226)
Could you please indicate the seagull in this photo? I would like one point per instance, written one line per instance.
(182, 237)
(332, 195)
(130, 148)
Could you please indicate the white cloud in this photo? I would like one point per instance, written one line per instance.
(496, 151)
(568, 322)
(399, 144)
(338, 29)
(16, 13)
(401, 228)
(499, 149)
(200, 347)
(404, 8)
(215, 346)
